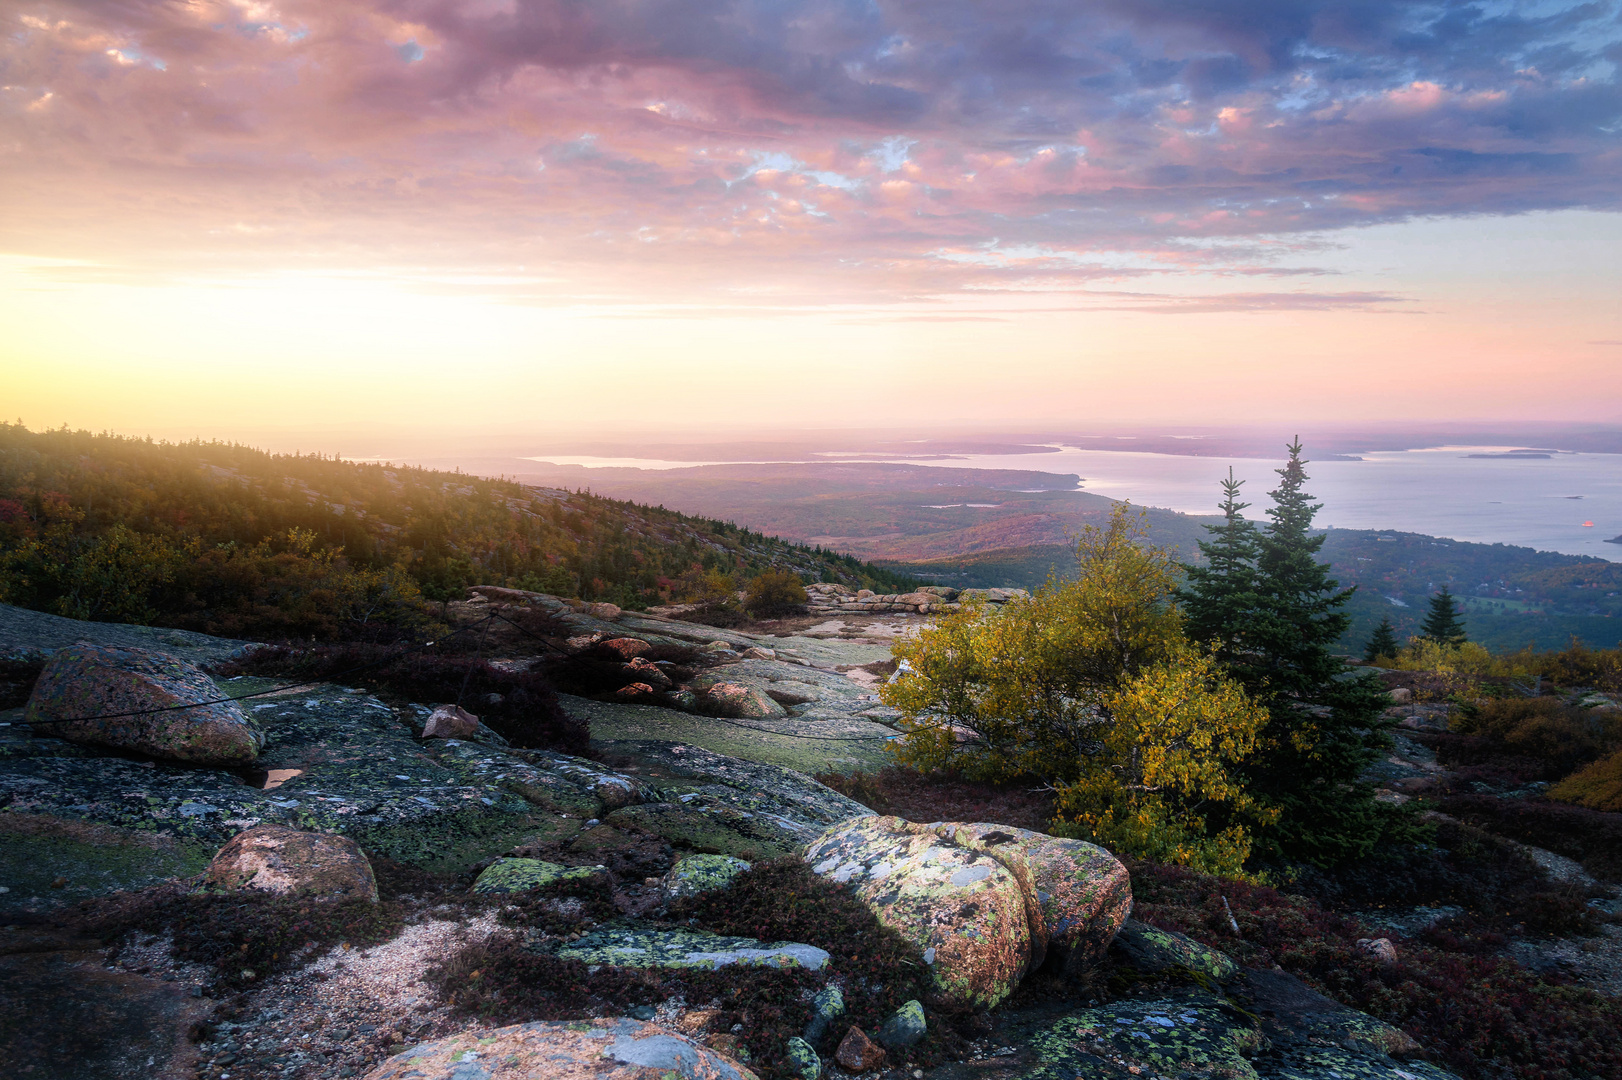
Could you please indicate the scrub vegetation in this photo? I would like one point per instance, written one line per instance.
(234, 541)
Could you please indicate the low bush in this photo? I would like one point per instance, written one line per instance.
(1525, 739)
(242, 936)
(1597, 786)
(1592, 837)
(1494, 880)
(501, 980)
(1483, 1017)
(774, 593)
(945, 796)
(599, 671)
(525, 710)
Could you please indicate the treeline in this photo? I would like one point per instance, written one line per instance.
(232, 540)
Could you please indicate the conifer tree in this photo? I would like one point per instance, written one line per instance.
(1219, 596)
(1383, 643)
(1324, 727)
(1442, 624)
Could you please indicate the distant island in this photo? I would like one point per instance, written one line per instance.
(1517, 455)
(1615, 540)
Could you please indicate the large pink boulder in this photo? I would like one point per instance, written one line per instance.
(287, 862)
(961, 907)
(146, 702)
(984, 903)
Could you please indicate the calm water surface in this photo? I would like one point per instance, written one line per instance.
(1538, 503)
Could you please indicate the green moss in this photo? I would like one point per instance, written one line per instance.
(521, 875)
(90, 861)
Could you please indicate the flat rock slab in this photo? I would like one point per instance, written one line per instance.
(612, 1049)
(44, 857)
(792, 806)
(351, 767)
(688, 949)
(807, 744)
(28, 634)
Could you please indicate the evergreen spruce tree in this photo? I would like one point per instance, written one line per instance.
(1443, 625)
(1220, 596)
(1383, 643)
(1325, 725)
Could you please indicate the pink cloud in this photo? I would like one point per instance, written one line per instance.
(727, 144)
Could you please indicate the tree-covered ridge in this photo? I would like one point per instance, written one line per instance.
(228, 539)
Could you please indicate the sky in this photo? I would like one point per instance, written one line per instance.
(233, 218)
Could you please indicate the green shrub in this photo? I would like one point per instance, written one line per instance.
(775, 592)
(1090, 687)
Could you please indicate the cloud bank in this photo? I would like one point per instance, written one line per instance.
(564, 151)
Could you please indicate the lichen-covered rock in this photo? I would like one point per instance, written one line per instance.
(520, 875)
(904, 1028)
(356, 770)
(694, 874)
(1150, 950)
(287, 862)
(604, 1049)
(826, 1009)
(126, 699)
(705, 824)
(802, 1059)
(688, 949)
(1193, 1038)
(963, 910)
(1077, 894)
(1197, 1035)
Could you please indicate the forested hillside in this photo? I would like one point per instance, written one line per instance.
(236, 541)
(1512, 597)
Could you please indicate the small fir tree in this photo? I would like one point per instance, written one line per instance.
(1442, 624)
(1219, 597)
(1324, 728)
(1383, 643)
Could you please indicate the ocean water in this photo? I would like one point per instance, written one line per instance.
(1570, 503)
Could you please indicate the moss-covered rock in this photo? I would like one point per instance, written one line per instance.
(43, 856)
(703, 824)
(1192, 1038)
(610, 1049)
(802, 1060)
(904, 1027)
(1151, 951)
(693, 874)
(132, 699)
(645, 948)
(521, 875)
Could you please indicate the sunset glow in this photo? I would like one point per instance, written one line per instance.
(225, 214)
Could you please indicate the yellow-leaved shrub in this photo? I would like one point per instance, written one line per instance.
(1091, 687)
